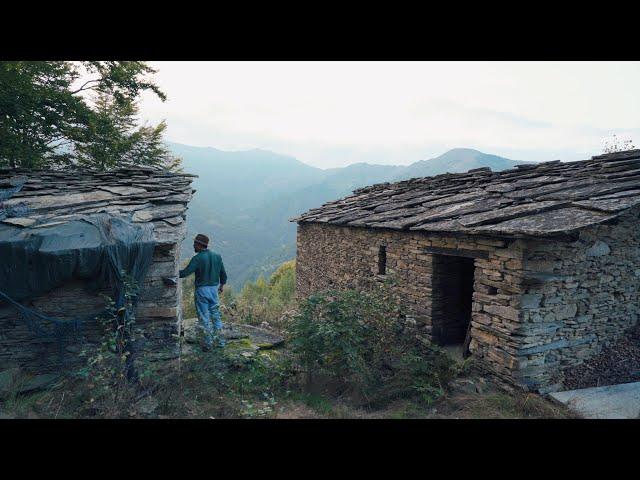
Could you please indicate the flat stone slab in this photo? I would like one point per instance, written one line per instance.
(259, 337)
(20, 221)
(262, 338)
(612, 401)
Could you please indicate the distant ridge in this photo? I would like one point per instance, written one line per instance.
(245, 198)
(457, 160)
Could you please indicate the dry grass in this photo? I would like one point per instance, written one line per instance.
(492, 404)
(489, 405)
(500, 405)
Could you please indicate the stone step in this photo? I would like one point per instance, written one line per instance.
(263, 339)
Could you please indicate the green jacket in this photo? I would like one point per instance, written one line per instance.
(208, 268)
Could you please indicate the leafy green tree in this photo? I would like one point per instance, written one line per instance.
(47, 118)
(112, 138)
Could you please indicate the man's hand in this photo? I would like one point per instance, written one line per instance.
(220, 288)
(170, 281)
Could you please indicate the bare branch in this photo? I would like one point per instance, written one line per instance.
(82, 88)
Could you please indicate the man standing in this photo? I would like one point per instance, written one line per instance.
(210, 280)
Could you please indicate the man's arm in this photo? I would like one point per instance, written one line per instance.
(189, 269)
(223, 275)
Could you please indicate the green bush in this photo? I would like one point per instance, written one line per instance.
(222, 383)
(266, 301)
(357, 345)
(258, 302)
(113, 371)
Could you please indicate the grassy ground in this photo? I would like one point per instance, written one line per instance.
(63, 403)
(209, 385)
(494, 404)
(332, 366)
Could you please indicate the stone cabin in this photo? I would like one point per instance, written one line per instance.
(537, 267)
(38, 201)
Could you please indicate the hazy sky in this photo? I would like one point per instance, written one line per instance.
(335, 113)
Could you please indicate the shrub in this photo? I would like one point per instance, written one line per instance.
(222, 383)
(111, 376)
(615, 144)
(264, 301)
(257, 303)
(358, 345)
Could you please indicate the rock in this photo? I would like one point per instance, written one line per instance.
(190, 331)
(481, 385)
(7, 380)
(142, 216)
(50, 224)
(530, 300)
(598, 249)
(611, 401)
(566, 311)
(122, 190)
(20, 221)
(232, 332)
(39, 382)
(241, 346)
(260, 338)
(174, 220)
(147, 406)
(158, 212)
(163, 312)
(463, 385)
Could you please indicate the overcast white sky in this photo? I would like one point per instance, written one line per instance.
(331, 114)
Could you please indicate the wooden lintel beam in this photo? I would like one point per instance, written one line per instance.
(456, 252)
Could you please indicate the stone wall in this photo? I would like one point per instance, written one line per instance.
(19, 347)
(582, 296)
(343, 257)
(538, 306)
(158, 314)
(159, 301)
(143, 195)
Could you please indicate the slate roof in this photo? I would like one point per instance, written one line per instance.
(537, 199)
(39, 198)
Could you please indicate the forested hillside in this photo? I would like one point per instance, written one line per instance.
(245, 199)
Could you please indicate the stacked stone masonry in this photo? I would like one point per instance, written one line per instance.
(542, 300)
(140, 194)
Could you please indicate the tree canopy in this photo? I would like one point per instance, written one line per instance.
(55, 114)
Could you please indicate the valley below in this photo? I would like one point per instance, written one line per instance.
(245, 199)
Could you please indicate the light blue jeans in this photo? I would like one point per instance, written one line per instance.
(207, 306)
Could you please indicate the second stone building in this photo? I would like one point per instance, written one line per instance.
(537, 268)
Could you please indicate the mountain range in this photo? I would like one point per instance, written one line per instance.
(244, 199)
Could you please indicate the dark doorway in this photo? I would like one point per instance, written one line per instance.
(452, 297)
